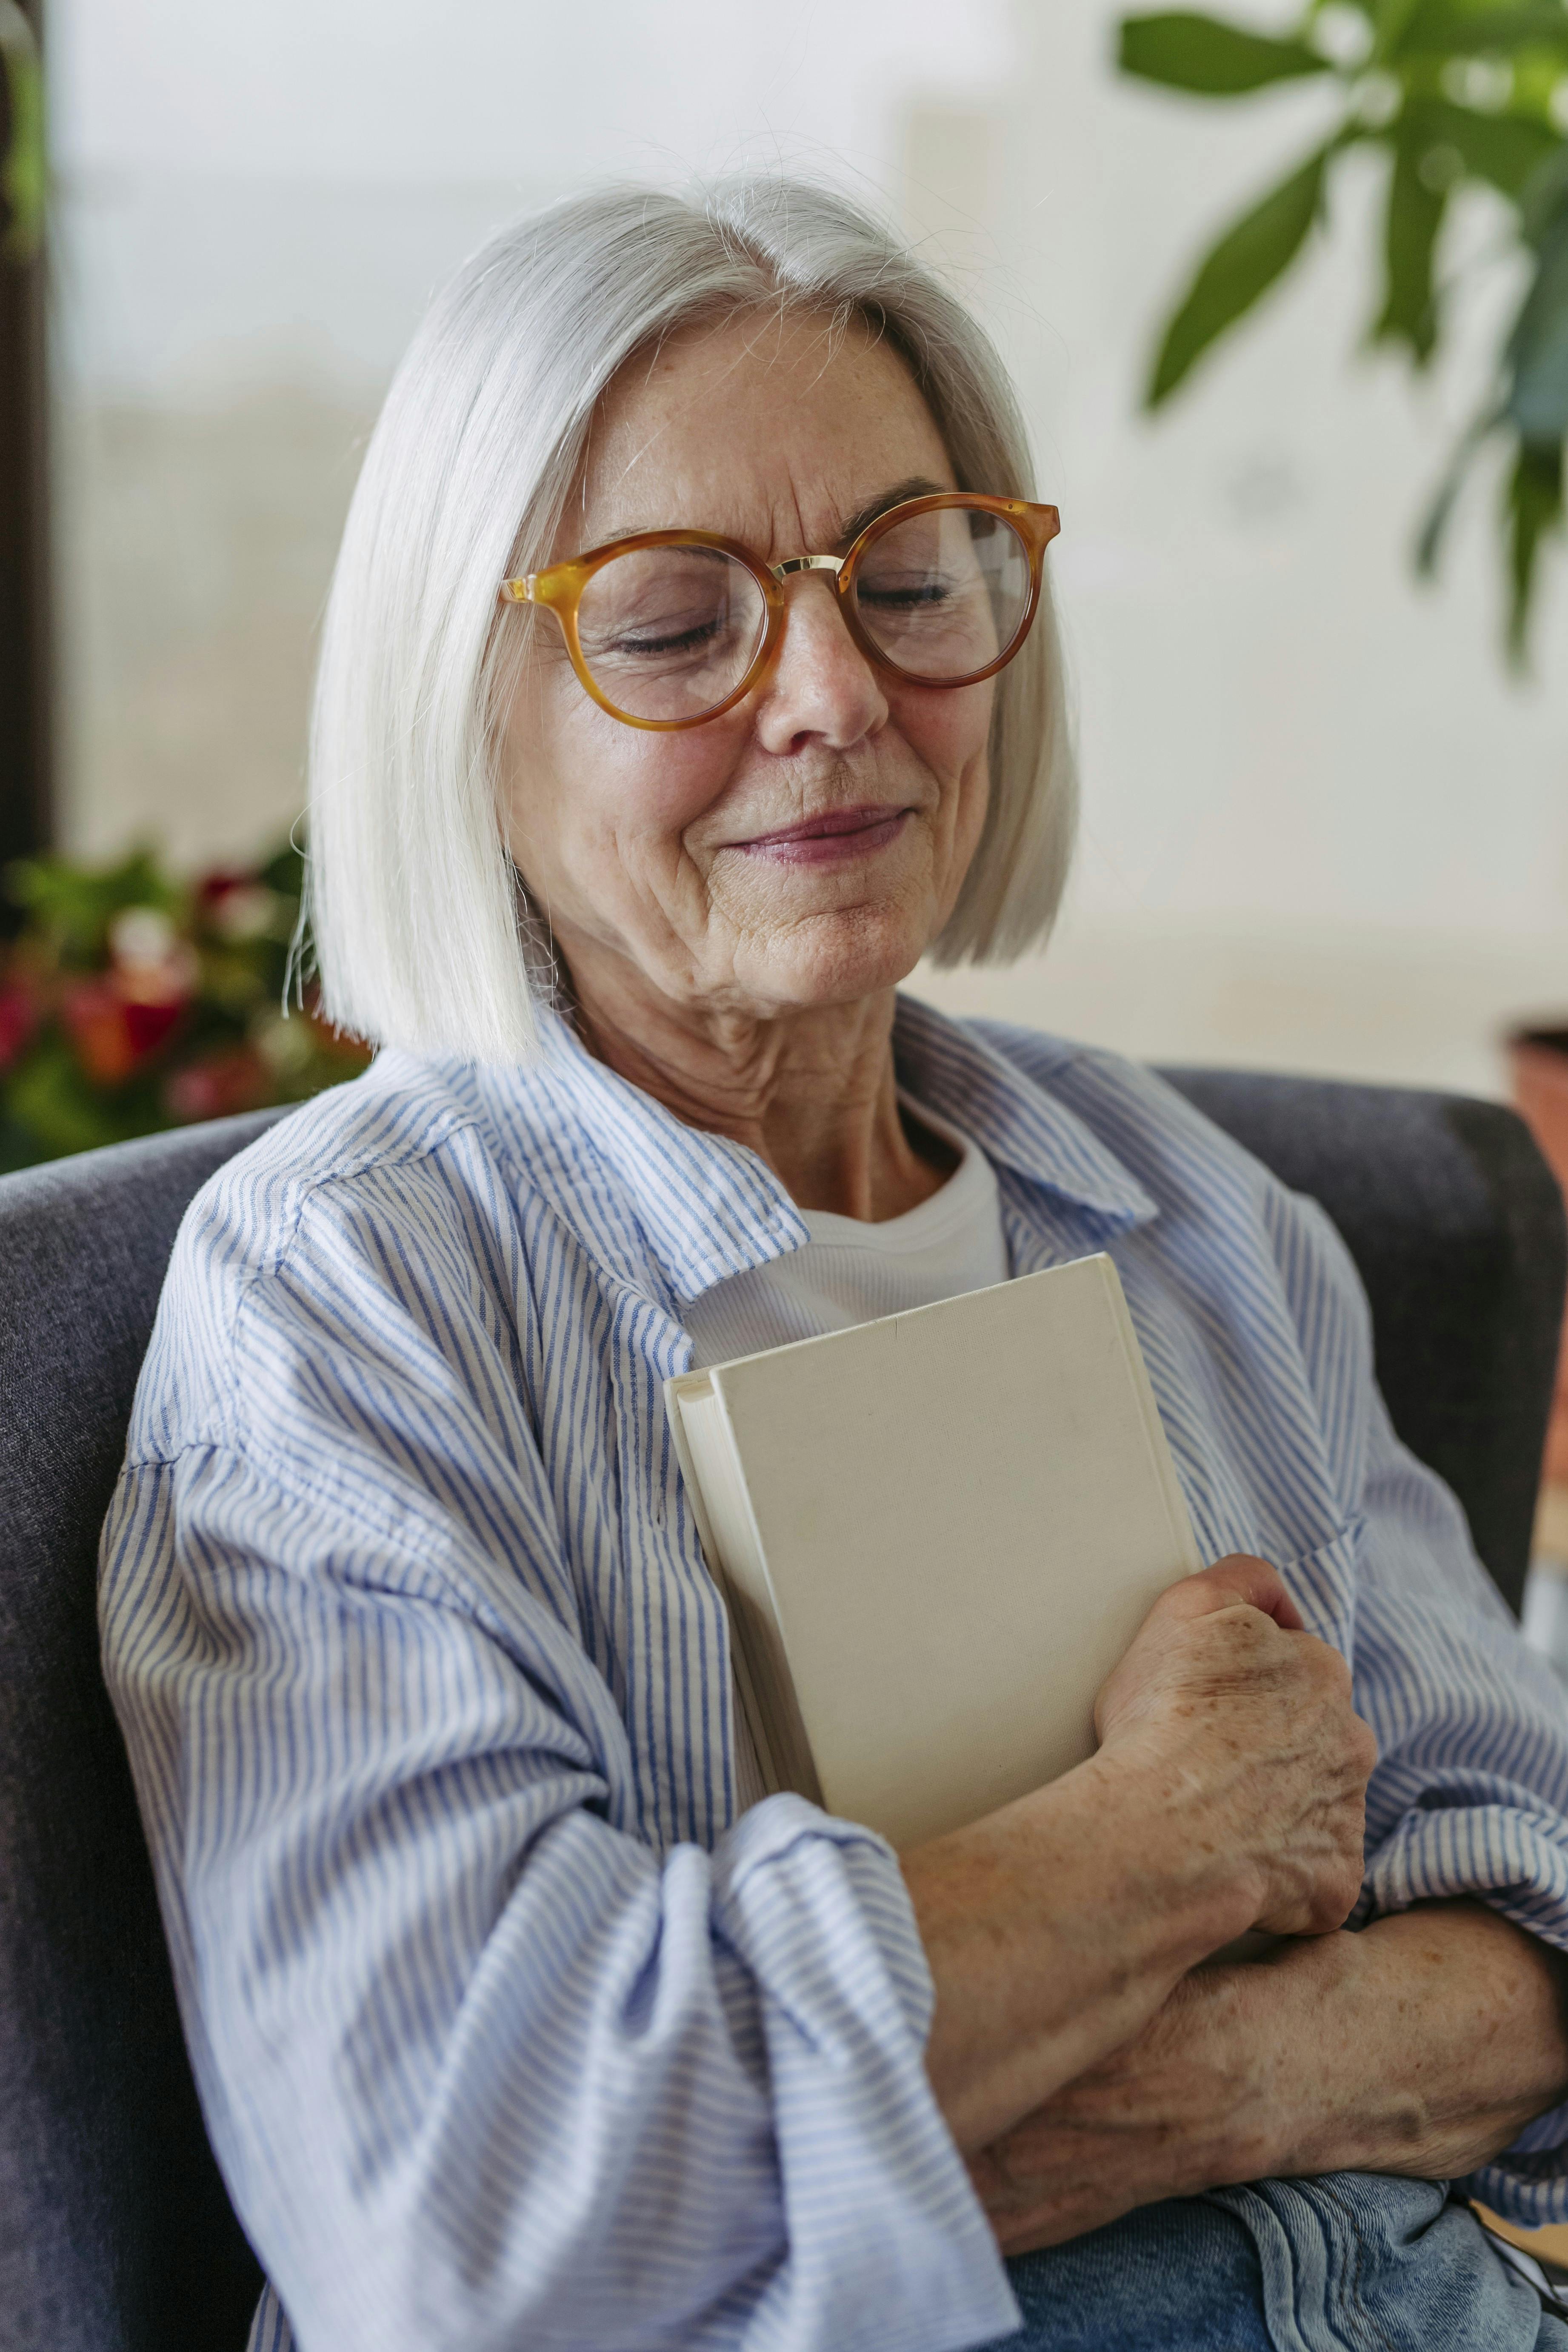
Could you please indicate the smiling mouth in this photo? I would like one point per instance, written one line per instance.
(836, 833)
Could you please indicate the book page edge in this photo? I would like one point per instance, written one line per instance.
(788, 1698)
(715, 1566)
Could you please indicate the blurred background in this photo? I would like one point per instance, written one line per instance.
(1324, 829)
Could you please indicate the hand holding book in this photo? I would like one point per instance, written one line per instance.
(1228, 1794)
(1223, 1687)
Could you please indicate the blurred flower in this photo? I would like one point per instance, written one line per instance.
(237, 906)
(113, 1034)
(141, 935)
(130, 1002)
(287, 1042)
(235, 1078)
(150, 964)
(18, 1019)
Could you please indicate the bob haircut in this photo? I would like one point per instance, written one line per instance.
(422, 930)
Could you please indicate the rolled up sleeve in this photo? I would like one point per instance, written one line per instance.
(1470, 1795)
(480, 2065)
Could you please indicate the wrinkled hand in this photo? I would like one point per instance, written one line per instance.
(1193, 2102)
(1421, 2045)
(1247, 1722)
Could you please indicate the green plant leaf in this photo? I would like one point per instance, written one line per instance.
(1245, 263)
(24, 170)
(1182, 50)
(1504, 150)
(1533, 510)
(48, 1097)
(1542, 203)
(285, 871)
(18, 1146)
(1495, 30)
(77, 904)
(1409, 313)
(1537, 350)
(1430, 540)
(1392, 21)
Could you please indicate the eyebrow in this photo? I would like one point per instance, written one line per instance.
(916, 487)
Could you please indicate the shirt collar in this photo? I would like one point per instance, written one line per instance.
(1013, 1114)
(709, 1208)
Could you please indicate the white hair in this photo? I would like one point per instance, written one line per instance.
(421, 927)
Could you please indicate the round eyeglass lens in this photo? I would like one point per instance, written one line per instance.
(669, 633)
(944, 594)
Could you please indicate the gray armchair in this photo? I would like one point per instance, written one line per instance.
(115, 2231)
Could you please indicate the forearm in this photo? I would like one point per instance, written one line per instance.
(1440, 2032)
(1057, 1927)
(1423, 2045)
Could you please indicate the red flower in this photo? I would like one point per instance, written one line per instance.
(235, 907)
(234, 1078)
(18, 1019)
(113, 1037)
(217, 884)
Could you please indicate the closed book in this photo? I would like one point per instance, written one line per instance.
(936, 1534)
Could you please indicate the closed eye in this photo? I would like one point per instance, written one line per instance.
(680, 641)
(907, 600)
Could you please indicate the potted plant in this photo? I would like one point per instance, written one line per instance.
(1453, 95)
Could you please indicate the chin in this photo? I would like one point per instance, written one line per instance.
(839, 957)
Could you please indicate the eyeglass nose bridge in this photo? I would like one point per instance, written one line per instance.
(780, 572)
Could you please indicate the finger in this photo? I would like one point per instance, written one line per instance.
(1237, 1578)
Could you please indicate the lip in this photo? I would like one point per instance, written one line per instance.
(833, 836)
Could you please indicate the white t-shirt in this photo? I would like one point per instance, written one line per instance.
(850, 1272)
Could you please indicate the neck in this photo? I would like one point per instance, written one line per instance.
(811, 1092)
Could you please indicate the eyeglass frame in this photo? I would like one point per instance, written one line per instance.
(560, 587)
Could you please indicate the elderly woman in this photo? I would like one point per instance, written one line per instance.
(688, 675)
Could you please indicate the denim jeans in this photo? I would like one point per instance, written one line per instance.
(1354, 2262)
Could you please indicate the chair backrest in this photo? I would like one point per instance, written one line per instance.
(115, 2231)
(1455, 1223)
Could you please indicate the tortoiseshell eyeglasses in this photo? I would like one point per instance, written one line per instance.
(670, 628)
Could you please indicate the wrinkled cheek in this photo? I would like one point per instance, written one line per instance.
(949, 729)
(975, 788)
(963, 815)
(607, 824)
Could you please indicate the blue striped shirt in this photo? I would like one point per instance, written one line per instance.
(511, 2028)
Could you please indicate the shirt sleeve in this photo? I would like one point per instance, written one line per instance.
(1470, 1794)
(481, 2066)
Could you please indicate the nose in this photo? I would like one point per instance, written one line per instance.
(821, 687)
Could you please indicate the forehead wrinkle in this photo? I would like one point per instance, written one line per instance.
(755, 326)
(685, 403)
(628, 507)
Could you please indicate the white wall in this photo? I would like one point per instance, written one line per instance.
(1320, 825)
(269, 192)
